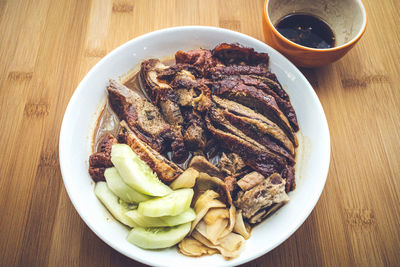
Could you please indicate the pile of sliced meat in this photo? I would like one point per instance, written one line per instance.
(220, 111)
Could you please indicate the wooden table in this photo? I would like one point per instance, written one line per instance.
(47, 47)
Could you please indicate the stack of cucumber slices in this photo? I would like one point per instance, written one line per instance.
(159, 216)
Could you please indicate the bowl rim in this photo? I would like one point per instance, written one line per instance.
(335, 48)
(80, 87)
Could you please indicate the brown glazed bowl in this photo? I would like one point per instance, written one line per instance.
(347, 19)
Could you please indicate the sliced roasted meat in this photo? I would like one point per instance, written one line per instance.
(191, 91)
(261, 122)
(234, 89)
(160, 93)
(272, 82)
(201, 164)
(166, 170)
(253, 155)
(185, 96)
(219, 116)
(288, 174)
(193, 129)
(145, 120)
(230, 183)
(250, 180)
(100, 160)
(260, 72)
(185, 87)
(231, 163)
(139, 114)
(200, 59)
(194, 137)
(259, 131)
(235, 54)
(219, 72)
(270, 191)
(284, 105)
(264, 213)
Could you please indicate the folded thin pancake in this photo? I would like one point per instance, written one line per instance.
(166, 170)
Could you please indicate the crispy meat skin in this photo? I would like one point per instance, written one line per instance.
(288, 174)
(257, 130)
(166, 170)
(145, 120)
(249, 116)
(235, 89)
(200, 59)
(260, 72)
(255, 154)
(218, 116)
(99, 161)
(284, 105)
(264, 162)
(235, 54)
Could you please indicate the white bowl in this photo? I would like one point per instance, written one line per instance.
(83, 109)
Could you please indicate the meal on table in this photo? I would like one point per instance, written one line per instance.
(197, 151)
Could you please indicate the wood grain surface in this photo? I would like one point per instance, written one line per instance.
(47, 47)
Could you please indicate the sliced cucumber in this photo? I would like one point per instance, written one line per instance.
(121, 189)
(186, 216)
(169, 205)
(111, 202)
(145, 221)
(136, 173)
(160, 237)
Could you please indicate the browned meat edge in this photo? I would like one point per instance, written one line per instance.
(166, 170)
(235, 54)
(262, 161)
(99, 161)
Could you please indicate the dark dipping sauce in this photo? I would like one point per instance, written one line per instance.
(306, 30)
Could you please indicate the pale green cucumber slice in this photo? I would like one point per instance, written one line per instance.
(136, 173)
(121, 189)
(158, 237)
(145, 221)
(111, 202)
(186, 216)
(169, 205)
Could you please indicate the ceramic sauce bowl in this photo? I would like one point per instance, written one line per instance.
(346, 18)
